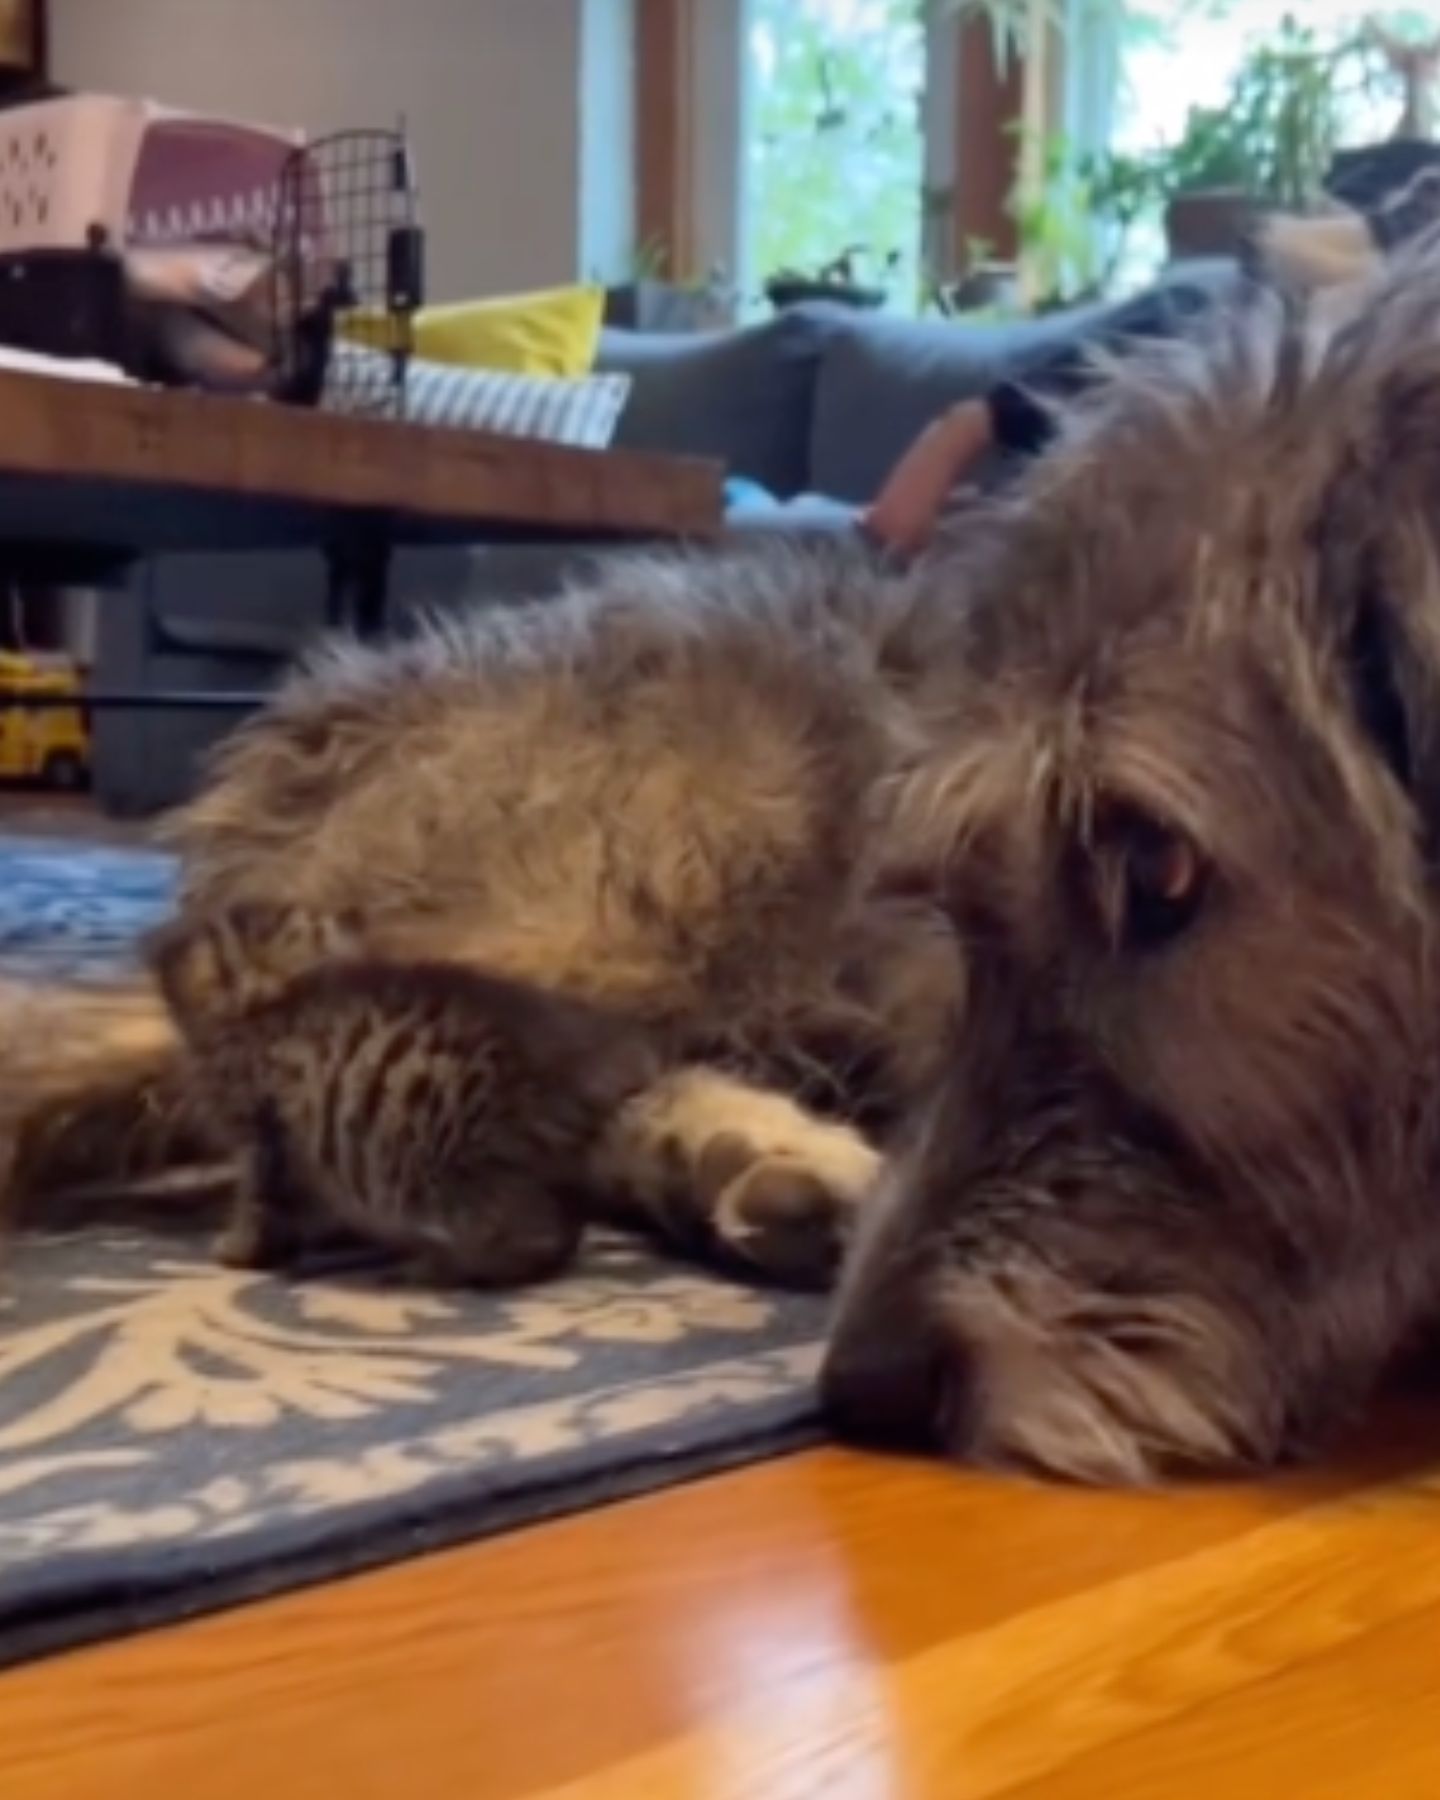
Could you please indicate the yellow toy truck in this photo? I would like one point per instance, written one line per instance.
(49, 744)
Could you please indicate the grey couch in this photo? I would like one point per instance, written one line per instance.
(807, 411)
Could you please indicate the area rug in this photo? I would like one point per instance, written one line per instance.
(175, 1436)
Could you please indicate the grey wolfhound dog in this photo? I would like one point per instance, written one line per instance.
(1061, 915)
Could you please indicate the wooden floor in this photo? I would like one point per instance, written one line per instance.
(828, 1626)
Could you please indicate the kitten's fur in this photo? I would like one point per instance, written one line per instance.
(432, 1110)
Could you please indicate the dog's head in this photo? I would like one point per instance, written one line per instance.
(1171, 1206)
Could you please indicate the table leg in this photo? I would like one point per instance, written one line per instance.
(359, 584)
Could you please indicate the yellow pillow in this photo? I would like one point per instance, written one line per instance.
(555, 332)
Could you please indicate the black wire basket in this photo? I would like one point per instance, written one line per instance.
(347, 273)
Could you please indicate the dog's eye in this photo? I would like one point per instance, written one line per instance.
(1148, 880)
(1164, 878)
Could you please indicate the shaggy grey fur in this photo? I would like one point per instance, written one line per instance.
(1090, 865)
(1173, 1202)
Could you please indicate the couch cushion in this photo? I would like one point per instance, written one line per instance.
(581, 413)
(742, 397)
(554, 332)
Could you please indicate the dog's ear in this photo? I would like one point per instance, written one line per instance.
(1383, 683)
(1374, 406)
(1381, 575)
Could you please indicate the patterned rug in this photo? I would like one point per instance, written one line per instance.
(175, 1436)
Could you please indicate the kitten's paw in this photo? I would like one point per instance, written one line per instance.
(253, 1242)
(241, 1246)
(512, 1238)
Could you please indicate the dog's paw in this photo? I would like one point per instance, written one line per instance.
(777, 1210)
(737, 1174)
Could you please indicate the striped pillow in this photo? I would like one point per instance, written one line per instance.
(582, 413)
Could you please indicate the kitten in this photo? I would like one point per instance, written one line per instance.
(427, 1108)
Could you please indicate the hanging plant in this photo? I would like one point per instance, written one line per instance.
(1011, 21)
(1414, 64)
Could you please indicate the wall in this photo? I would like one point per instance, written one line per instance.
(607, 138)
(489, 89)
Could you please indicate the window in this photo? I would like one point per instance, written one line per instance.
(1139, 66)
(1182, 53)
(835, 146)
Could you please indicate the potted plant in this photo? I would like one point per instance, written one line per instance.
(1029, 29)
(986, 283)
(649, 301)
(1054, 239)
(1209, 182)
(1055, 225)
(1269, 145)
(1120, 189)
(1011, 21)
(836, 281)
(1289, 100)
(1413, 63)
(1075, 229)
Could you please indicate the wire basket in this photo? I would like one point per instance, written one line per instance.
(347, 273)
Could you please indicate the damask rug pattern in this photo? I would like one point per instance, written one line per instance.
(176, 1436)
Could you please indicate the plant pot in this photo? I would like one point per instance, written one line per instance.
(988, 286)
(662, 306)
(786, 290)
(1208, 222)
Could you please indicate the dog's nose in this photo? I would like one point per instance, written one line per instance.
(887, 1384)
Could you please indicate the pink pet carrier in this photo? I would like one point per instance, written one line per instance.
(179, 246)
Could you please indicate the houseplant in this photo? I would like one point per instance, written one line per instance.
(1413, 62)
(650, 300)
(837, 281)
(1055, 223)
(1208, 185)
(1013, 22)
(1075, 232)
(985, 283)
(1049, 197)
(1268, 146)
(1029, 29)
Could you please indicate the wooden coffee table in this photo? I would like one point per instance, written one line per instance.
(94, 476)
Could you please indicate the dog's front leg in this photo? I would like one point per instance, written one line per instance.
(739, 1174)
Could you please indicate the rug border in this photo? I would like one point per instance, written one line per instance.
(104, 1616)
